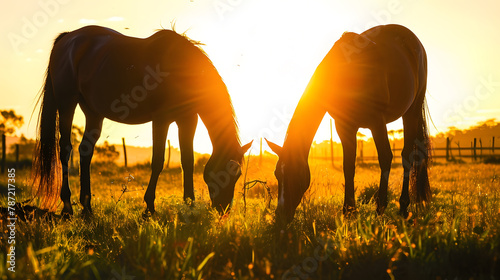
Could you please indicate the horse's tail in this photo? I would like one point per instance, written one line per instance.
(46, 167)
(419, 178)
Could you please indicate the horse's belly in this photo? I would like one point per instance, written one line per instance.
(402, 88)
(370, 101)
(356, 113)
(120, 105)
(358, 96)
(128, 95)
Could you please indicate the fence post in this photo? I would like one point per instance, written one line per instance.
(4, 152)
(474, 149)
(124, 151)
(447, 148)
(493, 145)
(459, 152)
(481, 149)
(168, 157)
(360, 145)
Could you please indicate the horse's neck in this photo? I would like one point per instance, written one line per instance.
(303, 126)
(221, 125)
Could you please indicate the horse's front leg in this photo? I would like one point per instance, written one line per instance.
(187, 128)
(160, 130)
(347, 136)
(384, 152)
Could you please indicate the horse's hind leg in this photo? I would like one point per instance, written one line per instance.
(93, 127)
(187, 128)
(414, 153)
(410, 132)
(384, 152)
(160, 130)
(65, 148)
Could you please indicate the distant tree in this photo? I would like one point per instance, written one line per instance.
(106, 153)
(453, 131)
(488, 123)
(9, 122)
(391, 133)
(400, 132)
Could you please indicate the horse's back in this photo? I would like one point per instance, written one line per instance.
(76, 51)
(375, 73)
(111, 73)
(399, 39)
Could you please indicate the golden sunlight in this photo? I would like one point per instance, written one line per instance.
(266, 52)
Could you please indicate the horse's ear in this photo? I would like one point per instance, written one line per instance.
(276, 148)
(245, 148)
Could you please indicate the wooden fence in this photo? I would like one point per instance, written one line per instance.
(451, 152)
(3, 161)
(475, 152)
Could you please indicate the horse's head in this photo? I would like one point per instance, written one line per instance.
(293, 177)
(221, 174)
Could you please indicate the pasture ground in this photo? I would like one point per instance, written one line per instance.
(456, 236)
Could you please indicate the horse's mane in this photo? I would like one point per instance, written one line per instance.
(196, 46)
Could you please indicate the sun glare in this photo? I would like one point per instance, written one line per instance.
(266, 52)
(265, 66)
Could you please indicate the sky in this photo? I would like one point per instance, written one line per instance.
(266, 52)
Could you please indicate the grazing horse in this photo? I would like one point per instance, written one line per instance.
(164, 78)
(366, 80)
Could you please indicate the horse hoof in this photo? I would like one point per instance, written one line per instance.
(66, 214)
(189, 201)
(147, 214)
(381, 207)
(87, 213)
(404, 213)
(381, 210)
(350, 211)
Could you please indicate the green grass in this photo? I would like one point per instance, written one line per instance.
(456, 236)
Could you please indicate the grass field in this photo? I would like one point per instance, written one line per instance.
(456, 236)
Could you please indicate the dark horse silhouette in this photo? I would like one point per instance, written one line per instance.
(164, 78)
(366, 80)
